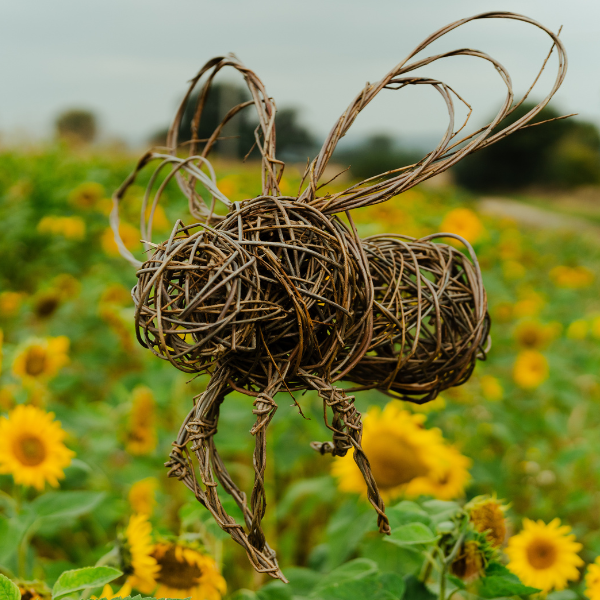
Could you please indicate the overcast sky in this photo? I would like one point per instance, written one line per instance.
(129, 60)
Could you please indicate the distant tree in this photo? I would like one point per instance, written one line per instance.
(294, 141)
(575, 160)
(563, 153)
(377, 154)
(77, 125)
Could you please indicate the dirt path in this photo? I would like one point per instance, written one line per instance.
(533, 216)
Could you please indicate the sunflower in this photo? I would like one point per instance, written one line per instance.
(487, 516)
(433, 406)
(592, 580)
(115, 294)
(10, 303)
(86, 195)
(535, 335)
(502, 312)
(572, 277)
(141, 496)
(34, 590)
(398, 447)
(67, 285)
(108, 594)
(530, 369)
(448, 477)
(139, 564)
(185, 573)
(141, 430)
(72, 228)
(544, 556)
(7, 397)
(41, 359)
(129, 234)
(47, 303)
(228, 185)
(31, 447)
(160, 222)
(530, 304)
(469, 563)
(463, 222)
(491, 388)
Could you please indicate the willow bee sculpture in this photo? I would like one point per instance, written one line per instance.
(281, 294)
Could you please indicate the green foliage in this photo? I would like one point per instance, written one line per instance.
(81, 579)
(500, 582)
(563, 153)
(411, 534)
(8, 590)
(77, 125)
(375, 155)
(536, 448)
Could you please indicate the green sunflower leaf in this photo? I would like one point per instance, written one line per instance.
(499, 586)
(65, 504)
(80, 579)
(8, 589)
(355, 579)
(411, 534)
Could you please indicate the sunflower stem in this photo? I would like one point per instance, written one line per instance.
(443, 582)
(22, 557)
(427, 567)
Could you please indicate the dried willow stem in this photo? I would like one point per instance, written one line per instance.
(451, 148)
(281, 295)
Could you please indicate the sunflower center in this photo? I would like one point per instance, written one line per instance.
(35, 362)
(47, 306)
(394, 461)
(530, 338)
(177, 573)
(541, 554)
(29, 450)
(469, 564)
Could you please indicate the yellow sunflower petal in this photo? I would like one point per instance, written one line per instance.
(544, 555)
(405, 457)
(186, 573)
(31, 447)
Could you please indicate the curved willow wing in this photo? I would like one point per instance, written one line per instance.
(195, 168)
(451, 148)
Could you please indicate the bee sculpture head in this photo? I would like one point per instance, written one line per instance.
(281, 294)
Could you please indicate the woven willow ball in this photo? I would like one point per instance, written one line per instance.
(430, 318)
(196, 299)
(309, 267)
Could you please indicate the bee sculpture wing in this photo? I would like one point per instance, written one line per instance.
(265, 111)
(187, 162)
(452, 147)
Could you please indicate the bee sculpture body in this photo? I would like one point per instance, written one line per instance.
(281, 294)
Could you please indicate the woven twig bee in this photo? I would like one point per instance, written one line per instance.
(280, 294)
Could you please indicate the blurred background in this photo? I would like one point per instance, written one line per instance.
(89, 86)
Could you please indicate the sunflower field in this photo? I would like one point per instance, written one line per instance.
(492, 489)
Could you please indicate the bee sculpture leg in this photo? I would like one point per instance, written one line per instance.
(347, 434)
(264, 409)
(199, 429)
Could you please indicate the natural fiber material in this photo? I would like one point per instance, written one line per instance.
(430, 325)
(281, 294)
